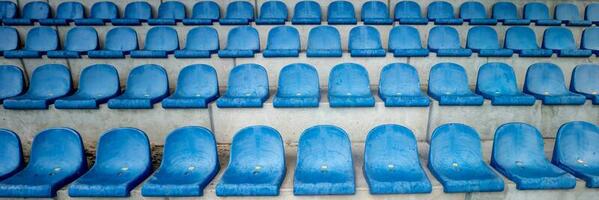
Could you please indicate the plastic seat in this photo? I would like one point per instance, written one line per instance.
(408, 12)
(298, 87)
(248, 87)
(79, 41)
(12, 81)
(118, 43)
(365, 41)
(349, 86)
(160, 41)
(530, 170)
(10, 153)
(122, 162)
(568, 13)
(8, 10)
(484, 41)
(399, 86)
(324, 163)
(474, 12)
(375, 13)
(584, 81)
(197, 86)
(57, 158)
(242, 42)
(539, 13)
(497, 82)
(201, 42)
(523, 41)
(561, 41)
(189, 163)
(169, 13)
(135, 13)
(448, 84)
(591, 13)
(101, 12)
(39, 41)
(238, 13)
(65, 14)
(575, 151)
(306, 12)
(441, 13)
(341, 12)
(545, 81)
(507, 13)
(324, 41)
(391, 163)
(147, 84)
(589, 40)
(273, 13)
(404, 41)
(9, 40)
(203, 13)
(445, 41)
(32, 12)
(48, 83)
(97, 84)
(256, 165)
(283, 41)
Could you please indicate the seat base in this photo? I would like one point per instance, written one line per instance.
(406, 101)
(410, 52)
(351, 101)
(295, 102)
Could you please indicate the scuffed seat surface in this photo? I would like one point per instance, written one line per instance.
(146, 85)
(97, 84)
(575, 151)
(248, 87)
(298, 87)
(349, 86)
(197, 86)
(497, 82)
(48, 83)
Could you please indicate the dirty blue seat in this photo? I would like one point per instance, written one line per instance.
(324, 162)
(530, 170)
(404, 41)
(445, 41)
(57, 158)
(365, 41)
(12, 81)
(375, 13)
(97, 84)
(324, 41)
(101, 12)
(203, 13)
(9, 40)
(408, 12)
(242, 42)
(484, 41)
(160, 41)
(283, 41)
(448, 84)
(32, 12)
(523, 41)
(306, 12)
(545, 81)
(589, 39)
(391, 163)
(135, 13)
(256, 165)
(575, 151)
(48, 83)
(441, 13)
(119, 42)
(8, 10)
(189, 163)
(147, 84)
(79, 41)
(539, 13)
(591, 13)
(399, 86)
(497, 82)
(474, 12)
(201, 42)
(10, 153)
(584, 81)
(349, 86)
(238, 13)
(561, 41)
(273, 13)
(169, 13)
(298, 87)
(248, 87)
(122, 162)
(341, 12)
(65, 14)
(507, 13)
(569, 15)
(39, 41)
(197, 86)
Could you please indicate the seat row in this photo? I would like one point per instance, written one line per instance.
(305, 12)
(257, 164)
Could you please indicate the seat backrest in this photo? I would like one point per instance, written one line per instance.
(536, 10)
(11, 81)
(511, 140)
(558, 38)
(162, 38)
(399, 79)
(171, 10)
(298, 79)
(121, 39)
(404, 37)
(546, 79)
(70, 10)
(248, 80)
(364, 37)
(190, 146)
(496, 78)
(8, 10)
(448, 79)
(283, 37)
(472, 10)
(407, 9)
(567, 11)
(589, 38)
(482, 37)
(202, 38)
(206, 10)
(50, 80)
(36, 10)
(41, 39)
(519, 38)
(198, 80)
(391, 143)
(58, 149)
(454, 143)
(324, 37)
(349, 78)
(81, 39)
(440, 10)
(104, 10)
(443, 37)
(126, 149)
(138, 10)
(576, 143)
(244, 38)
(252, 145)
(10, 153)
(99, 81)
(273, 10)
(324, 144)
(341, 9)
(147, 80)
(307, 9)
(584, 79)
(591, 12)
(240, 10)
(10, 38)
(374, 10)
(505, 10)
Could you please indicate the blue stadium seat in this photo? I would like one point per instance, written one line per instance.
(404, 41)
(324, 162)
(591, 13)
(589, 39)
(545, 81)
(324, 41)
(189, 163)
(57, 158)
(375, 13)
(283, 41)
(497, 82)
(273, 13)
(561, 41)
(539, 13)
(10, 153)
(135, 13)
(341, 12)
(399, 86)
(523, 41)
(12, 81)
(101, 12)
(256, 165)
(441, 13)
(9, 40)
(97, 84)
(248, 87)
(365, 41)
(445, 41)
(584, 81)
(575, 151)
(242, 42)
(201, 42)
(203, 13)
(48, 83)
(147, 84)
(507, 13)
(298, 87)
(484, 41)
(8, 10)
(65, 14)
(238, 13)
(475, 13)
(448, 84)
(197, 86)
(349, 86)
(160, 41)
(169, 13)
(39, 41)
(122, 162)
(79, 41)
(32, 12)
(306, 12)
(408, 12)
(569, 15)
(530, 170)
(118, 43)
(391, 164)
